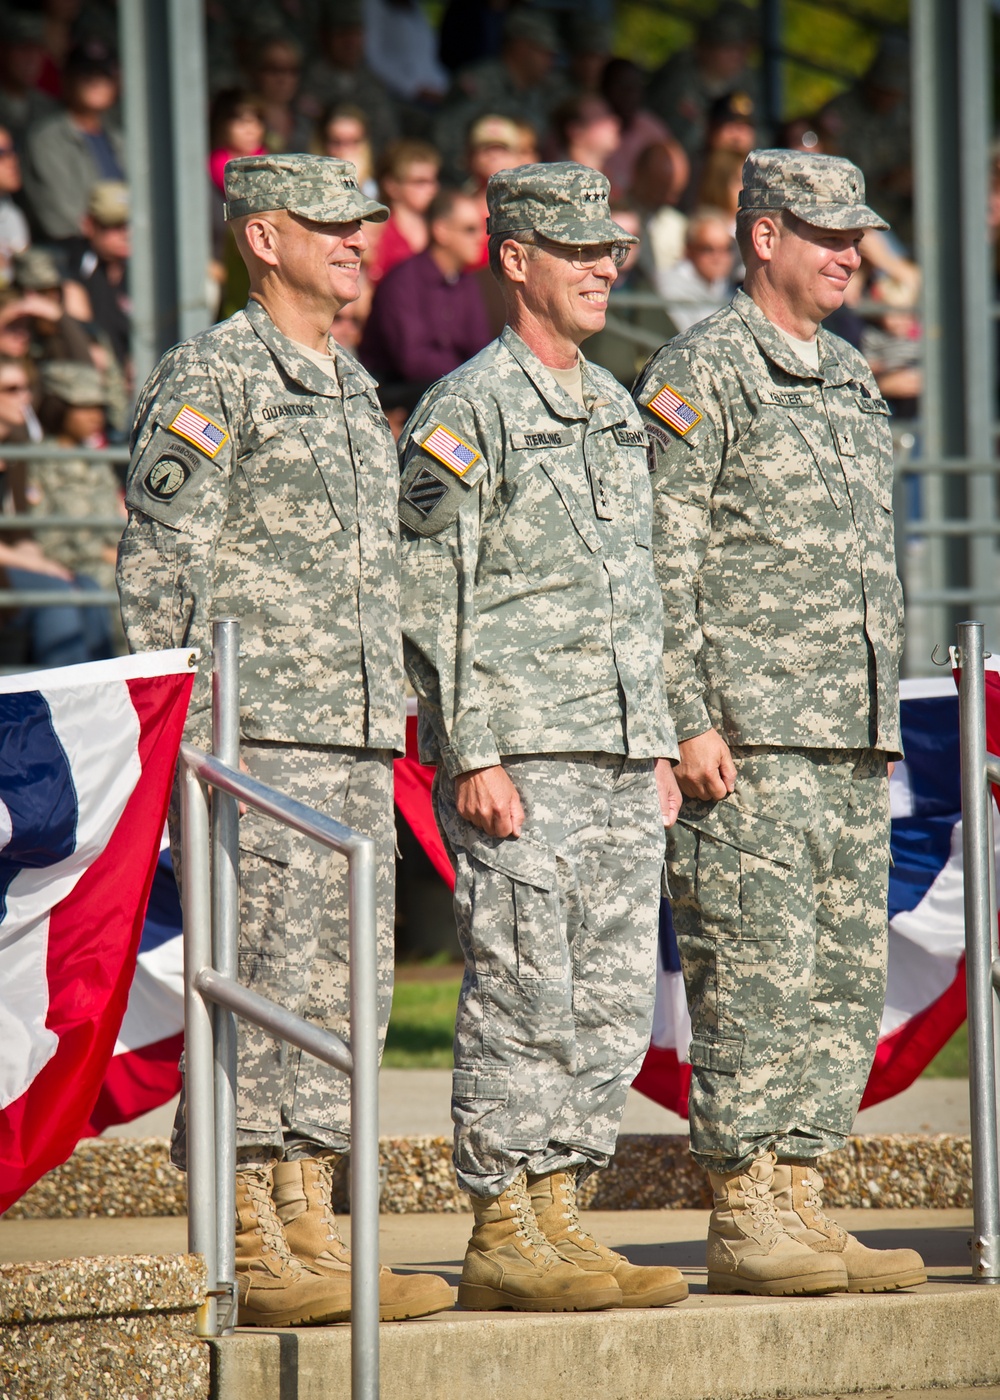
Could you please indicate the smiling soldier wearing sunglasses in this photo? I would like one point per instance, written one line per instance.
(532, 632)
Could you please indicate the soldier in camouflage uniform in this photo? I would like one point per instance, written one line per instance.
(771, 463)
(531, 622)
(263, 486)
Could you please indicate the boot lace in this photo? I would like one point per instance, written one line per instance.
(759, 1204)
(527, 1227)
(571, 1213)
(812, 1201)
(259, 1190)
(325, 1169)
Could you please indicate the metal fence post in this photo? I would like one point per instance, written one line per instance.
(225, 939)
(980, 943)
(198, 1014)
(364, 1124)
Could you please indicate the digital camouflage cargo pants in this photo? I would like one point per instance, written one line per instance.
(779, 902)
(559, 930)
(294, 944)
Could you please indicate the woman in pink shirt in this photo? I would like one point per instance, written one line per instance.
(408, 181)
(237, 129)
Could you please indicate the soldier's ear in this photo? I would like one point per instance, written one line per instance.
(260, 236)
(764, 237)
(514, 258)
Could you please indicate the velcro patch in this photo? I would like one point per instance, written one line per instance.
(296, 409)
(166, 476)
(425, 492)
(869, 405)
(207, 436)
(675, 410)
(450, 450)
(630, 437)
(551, 437)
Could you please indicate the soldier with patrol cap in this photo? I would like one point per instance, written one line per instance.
(531, 627)
(771, 461)
(263, 485)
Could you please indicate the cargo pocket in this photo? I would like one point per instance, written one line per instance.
(722, 1056)
(518, 879)
(479, 1111)
(265, 853)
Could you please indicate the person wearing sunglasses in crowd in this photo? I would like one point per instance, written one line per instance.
(532, 630)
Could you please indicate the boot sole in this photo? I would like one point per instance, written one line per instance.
(658, 1298)
(476, 1297)
(888, 1283)
(401, 1311)
(249, 1318)
(794, 1286)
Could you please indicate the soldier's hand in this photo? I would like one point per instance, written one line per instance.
(488, 799)
(706, 770)
(669, 792)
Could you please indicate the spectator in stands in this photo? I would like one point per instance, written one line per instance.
(275, 76)
(22, 57)
(427, 316)
(590, 43)
(586, 130)
(869, 123)
(623, 87)
(72, 414)
(401, 50)
(62, 634)
(341, 74)
(702, 281)
(521, 83)
(14, 235)
(494, 143)
(408, 181)
(655, 192)
(801, 134)
(96, 290)
(52, 334)
(681, 92)
(343, 134)
(720, 183)
(69, 151)
(730, 129)
(236, 128)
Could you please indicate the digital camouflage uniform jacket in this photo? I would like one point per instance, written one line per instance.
(532, 615)
(773, 537)
(260, 488)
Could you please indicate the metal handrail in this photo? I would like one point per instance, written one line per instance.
(979, 769)
(212, 996)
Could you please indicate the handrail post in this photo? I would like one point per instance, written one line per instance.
(364, 1123)
(198, 1039)
(225, 939)
(980, 941)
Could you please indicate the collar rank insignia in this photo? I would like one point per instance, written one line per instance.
(207, 436)
(675, 410)
(455, 454)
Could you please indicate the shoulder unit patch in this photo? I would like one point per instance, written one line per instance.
(207, 436)
(450, 450)
(675, 410)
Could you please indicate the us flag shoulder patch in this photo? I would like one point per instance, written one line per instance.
(675, 410)
(207, 436)
(455, 454)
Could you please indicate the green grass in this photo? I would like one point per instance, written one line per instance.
(952, 1061)
(422, 1025)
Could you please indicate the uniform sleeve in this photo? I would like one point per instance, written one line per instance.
(441, 510)
(684, 419)
(177, 493)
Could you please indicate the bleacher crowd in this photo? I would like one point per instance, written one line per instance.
(426, 117)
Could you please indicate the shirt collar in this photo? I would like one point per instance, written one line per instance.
(832, 368)
(556, 398)
(353, 378)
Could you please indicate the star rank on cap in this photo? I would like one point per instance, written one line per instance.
(455, 454)
(675, 410)
(207, 436)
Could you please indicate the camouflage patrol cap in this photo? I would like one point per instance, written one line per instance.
(77, 384)
(317, 187)
(35, 270)
(825, 191)
(566, 202)
(108, 202)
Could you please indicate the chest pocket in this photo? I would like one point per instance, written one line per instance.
(301, 487)
(547, 512)
(793, 471)
(619, 473)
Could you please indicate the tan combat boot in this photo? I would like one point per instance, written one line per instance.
(553, 1199)
(749, 1250)
(303, 1194)
(798, 1191)
(274, 1288)
(510, 1264)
